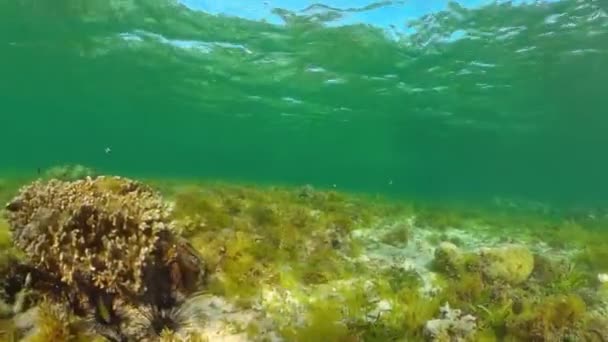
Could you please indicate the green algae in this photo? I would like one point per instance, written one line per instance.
(286, 239)
(594, 256)
(50, 324)
(323, 322)
(256, 231)
(555, 318)
(417, 310)
(257, 241)
(5, 235)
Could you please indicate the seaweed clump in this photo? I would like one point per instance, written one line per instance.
(106, 246)
(251, 237)
(555, 318)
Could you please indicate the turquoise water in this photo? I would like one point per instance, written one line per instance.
(414, 98)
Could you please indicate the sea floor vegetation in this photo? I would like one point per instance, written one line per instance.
(103, 258)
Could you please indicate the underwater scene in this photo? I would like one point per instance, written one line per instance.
(291, 170)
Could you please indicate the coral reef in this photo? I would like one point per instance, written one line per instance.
(109, 258)
(103, 245)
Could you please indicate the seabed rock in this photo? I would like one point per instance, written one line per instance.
(512, 264)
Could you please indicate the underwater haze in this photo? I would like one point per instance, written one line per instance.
(437, 99)
(345, 171)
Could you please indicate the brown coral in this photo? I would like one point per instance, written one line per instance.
(110, 234)
(102, 229)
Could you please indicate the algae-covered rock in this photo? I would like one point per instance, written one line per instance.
(398, 236)
(448, 258)
(547, 270)
(511, 263)
(554, 318)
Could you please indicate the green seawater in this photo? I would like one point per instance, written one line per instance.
(436, 99)
(348, 171)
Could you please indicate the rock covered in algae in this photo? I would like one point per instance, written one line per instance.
(448, 257)
(99, 232)
(511, 263)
